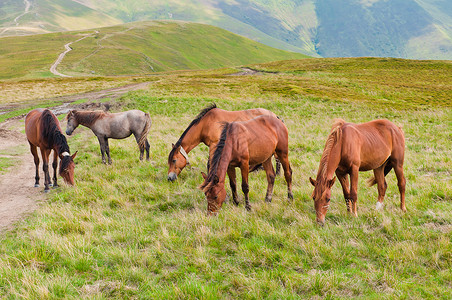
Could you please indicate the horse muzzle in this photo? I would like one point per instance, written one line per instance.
(172, 176)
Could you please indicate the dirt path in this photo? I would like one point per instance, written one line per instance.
(63, 54)
(16, 20)
(18, 197)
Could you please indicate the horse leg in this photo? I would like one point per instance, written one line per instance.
(45, 167)
(343, 179)
(381, 185)
(147, 149)
(354, 189)
(268, 167)
(233, 184)
(284, 159)
(102, 147)
(34, 151)
(141, 147)
(245, 168)
(107, 150)
(401, 182)
(55, 165)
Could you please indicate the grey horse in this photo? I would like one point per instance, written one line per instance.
(113, 125)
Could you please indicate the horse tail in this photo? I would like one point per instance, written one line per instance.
(144, 133)
(372, 181)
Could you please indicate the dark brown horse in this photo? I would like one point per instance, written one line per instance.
(43, 130)
(244, 145)
(113, 125)
(378, 145)
(206, 128)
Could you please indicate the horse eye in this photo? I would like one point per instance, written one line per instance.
(174, 161)
(216, 197)
(328, 200)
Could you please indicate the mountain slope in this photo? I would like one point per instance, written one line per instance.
(133, 49)
(420, 29)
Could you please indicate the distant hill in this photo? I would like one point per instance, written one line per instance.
(420, 29)
(133, 49)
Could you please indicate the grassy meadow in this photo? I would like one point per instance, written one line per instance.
(124, 231)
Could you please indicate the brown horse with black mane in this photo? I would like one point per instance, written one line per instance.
(43, 130)
(244, 145)
(205, 128)
(378, 145)
(113, 125)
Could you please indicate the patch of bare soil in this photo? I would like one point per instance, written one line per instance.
(18, 196)
(246, 72)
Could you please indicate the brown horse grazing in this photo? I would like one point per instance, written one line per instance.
(244, 145)
(43, 130)
(378, 145)
(205, 128)
(113, 125)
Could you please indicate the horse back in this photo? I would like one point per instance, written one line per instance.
(371, 144)
(261, 136)
(34, 127)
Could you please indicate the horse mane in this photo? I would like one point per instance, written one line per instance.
(52, 134)
(333, 137)
(88, 118)
(195, 121)
(215, 161)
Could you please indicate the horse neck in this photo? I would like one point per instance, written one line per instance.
(193, 137)
(86, 118)
(331, 156)
(225, 159)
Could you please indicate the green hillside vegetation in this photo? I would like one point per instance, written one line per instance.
(134, 48)
(419, 29)
(124, 231)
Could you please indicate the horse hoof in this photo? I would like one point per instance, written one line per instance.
(248, 207)
(379, 206)
(46, 191)
(268, 199)
(55, 186)
(290, 196)
(36, 185)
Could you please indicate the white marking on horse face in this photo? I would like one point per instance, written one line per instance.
(379, 206)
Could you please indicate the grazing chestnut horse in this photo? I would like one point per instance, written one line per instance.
(244, 145)
(205, 128)
(378, 145)
(43, 130)
(113, 125)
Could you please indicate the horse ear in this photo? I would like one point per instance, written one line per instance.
(172, 145)
(331, 182)
(313, 182)
(204, 175)
(74, 155)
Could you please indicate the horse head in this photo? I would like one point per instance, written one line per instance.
(67, 167)
(177, 160)
(321, 196)
(214, 191)
(71, 122)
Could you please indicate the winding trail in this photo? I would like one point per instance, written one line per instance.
(63, 54)
(27, 9)
(16, 19)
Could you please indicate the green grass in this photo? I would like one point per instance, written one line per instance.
(133, 49)
(125, 232)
